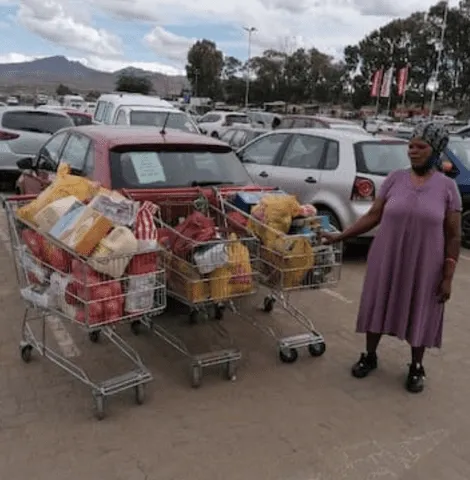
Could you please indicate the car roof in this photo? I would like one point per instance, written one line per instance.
(226, 112)
(116, 135)
(151, 108)
(31, 109)
(332, 134)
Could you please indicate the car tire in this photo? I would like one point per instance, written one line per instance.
(466, 228)
(214, 135)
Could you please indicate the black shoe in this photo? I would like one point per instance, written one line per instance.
(415, 380)
(366, 364)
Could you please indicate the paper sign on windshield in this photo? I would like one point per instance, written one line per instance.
(148, 167)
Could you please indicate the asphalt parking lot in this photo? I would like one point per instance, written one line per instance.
(306, 421)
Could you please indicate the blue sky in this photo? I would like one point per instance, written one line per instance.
(156, 34)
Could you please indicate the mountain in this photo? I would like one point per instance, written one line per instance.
(46, 73)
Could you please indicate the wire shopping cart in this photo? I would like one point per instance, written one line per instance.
(290, 263)
(56, 283)
(206, 274)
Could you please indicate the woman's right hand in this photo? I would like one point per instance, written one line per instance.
(330, 238)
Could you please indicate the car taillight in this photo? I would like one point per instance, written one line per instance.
(363, 189)
(5, 136)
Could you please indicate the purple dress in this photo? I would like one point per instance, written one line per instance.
(406, 260)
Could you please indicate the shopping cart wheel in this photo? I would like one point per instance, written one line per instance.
(268, 304)
(26, 353)
(317, 349)
(94, 336)
(135, 327)
(196, 376)
(231, 371)
(139, 394)
(100, 407)
(219, 311)
(288, 355)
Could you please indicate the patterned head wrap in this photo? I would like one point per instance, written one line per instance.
(434, 134)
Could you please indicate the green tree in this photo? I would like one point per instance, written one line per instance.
(62, 90)
(134, 84)
(205, 64)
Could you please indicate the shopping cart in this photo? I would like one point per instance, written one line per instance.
(291, 263)
(56, 283)
(207, 276)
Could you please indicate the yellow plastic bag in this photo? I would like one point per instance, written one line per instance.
(273, 216)
(235, 278)
(287, 263)
(64, 185)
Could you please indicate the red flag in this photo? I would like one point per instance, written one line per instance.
(402, 80)
(376, 83)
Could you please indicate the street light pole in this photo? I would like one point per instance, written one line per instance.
(250, 31)
(439, 57)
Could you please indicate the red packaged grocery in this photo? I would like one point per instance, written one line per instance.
(147, 234)
(197, 228)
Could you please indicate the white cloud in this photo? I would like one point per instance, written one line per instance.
(168, 45)
(328, 25)
(62, 23)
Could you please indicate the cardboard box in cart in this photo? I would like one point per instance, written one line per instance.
(81, 229)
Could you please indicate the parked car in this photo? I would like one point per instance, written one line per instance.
(156, 117)
(215, 123)
(23, 131)
(263, 119)
(463, 132)
(302, 121)
(237, 137)
(315, 121)
(457, 157)
(339, 172)
(119, 157)
(79, 118)
(109, 105)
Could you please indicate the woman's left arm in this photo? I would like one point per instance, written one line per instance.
(452, 230)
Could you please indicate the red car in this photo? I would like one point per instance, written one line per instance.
(120, 157)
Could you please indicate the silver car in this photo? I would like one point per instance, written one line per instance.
(340, 172)
(23, 131)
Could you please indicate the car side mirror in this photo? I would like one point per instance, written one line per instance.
(26, 163)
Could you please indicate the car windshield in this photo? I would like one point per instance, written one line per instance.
(35, 121)
(461, 149)
(381, 157)
(145, 168)
(176, 120)
(231, 119)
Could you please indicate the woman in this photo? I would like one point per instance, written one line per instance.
(412, 260)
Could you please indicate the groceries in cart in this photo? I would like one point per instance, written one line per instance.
(90, 253)
(290, 233)
(208, 261)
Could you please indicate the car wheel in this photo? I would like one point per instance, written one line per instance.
(214, 135)
(466, 228)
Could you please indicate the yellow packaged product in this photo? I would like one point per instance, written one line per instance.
(235, 278)
(287, 263)
(64, 185)
(184, 280)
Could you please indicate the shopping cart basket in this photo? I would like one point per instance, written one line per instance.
(207, 276)
(293, 262)
(56, 283)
